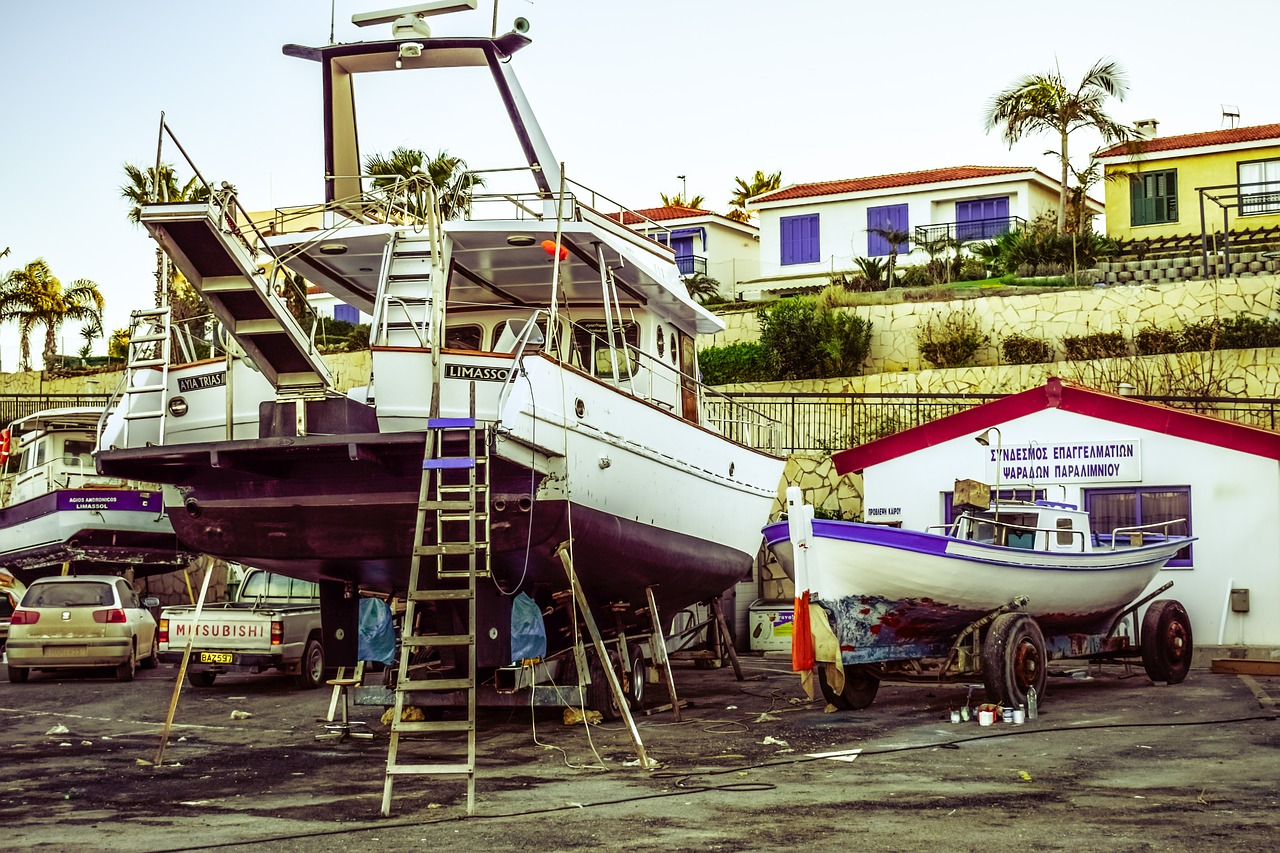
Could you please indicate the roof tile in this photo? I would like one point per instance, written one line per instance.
(1198, 140)
(884, 182)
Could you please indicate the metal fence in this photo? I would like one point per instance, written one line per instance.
(15, 406)
(818, 422)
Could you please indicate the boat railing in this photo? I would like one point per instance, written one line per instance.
(1024, 537)
(1138, 534)
(737, 421)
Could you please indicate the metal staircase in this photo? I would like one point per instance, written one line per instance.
(150, 346)
(451, 542)
(210, 250)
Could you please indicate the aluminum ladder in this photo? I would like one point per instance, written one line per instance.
(451, 543)
(150, 348)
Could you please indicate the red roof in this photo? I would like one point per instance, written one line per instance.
(886, 182)
(1196, 140)
(658, 214)
(1055, 394)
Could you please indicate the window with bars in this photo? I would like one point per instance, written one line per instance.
(1259, 187)
(1153, 197)
(1113, 508)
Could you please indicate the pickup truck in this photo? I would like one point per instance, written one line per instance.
(273, 623)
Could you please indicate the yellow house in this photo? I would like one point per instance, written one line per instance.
(1233, 174)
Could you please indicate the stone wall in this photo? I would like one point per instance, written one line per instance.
(1243, 264)
(1049, 316)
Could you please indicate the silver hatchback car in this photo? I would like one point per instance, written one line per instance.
(81, 621)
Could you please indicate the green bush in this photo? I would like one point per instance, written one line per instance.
(789, 334)
(1151, 340)
(846, 342)
(951, 339)
(740, 362)
(1241, 332)
(1094, 346)
(915, 277)
(1020, 349)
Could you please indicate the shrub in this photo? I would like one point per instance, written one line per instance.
(846, 342)
(1241, 332)
(1094, 346)
(1020, 349)
(790, 336)
(951, 339)
(971, 269)
(915, 277)
(740, 362)
(1151, 340)
(1201, 335)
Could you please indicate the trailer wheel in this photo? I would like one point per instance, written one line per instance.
(311, 667)
(1166, 641)
(639, 677)
(860, 688)
(201, 678)
(1014, 660)
(598, 696)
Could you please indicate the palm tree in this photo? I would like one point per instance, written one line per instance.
(760, 183)
(33, 296)
(1042, 102)
(894, 237)
(152, 186)
(678, 200)
(702, 287)
(405, 173)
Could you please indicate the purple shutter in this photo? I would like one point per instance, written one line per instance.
(889, 216)
(799, 237)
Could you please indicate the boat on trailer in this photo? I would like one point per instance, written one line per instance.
(997, 594)
(567, 336)
(57, 513)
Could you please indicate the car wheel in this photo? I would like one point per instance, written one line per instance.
(311, 667)
(126, 670)
(203, 678)
(18, 674)
(152, 660)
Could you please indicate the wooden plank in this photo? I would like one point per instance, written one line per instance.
(1245, 666)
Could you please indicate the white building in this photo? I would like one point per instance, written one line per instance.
(1127, 462)
(808, 231)
(704, 242)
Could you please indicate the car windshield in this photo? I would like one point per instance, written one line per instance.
(87, 594)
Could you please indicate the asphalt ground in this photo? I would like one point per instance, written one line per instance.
(1112, 762)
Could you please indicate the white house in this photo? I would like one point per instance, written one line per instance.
(809, 231)
(704, 242)
(1126, 462)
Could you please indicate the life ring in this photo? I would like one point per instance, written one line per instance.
(6, 445)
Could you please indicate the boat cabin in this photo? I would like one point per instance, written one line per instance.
(54, 450)
(1039, 526)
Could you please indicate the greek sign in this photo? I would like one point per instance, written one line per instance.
(1102, 461)
(102, 500)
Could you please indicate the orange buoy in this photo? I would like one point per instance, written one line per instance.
(550, 246)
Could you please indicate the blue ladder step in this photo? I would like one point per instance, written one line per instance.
(457, 462)
(451, 423)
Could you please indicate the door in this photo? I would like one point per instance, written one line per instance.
(688, 383)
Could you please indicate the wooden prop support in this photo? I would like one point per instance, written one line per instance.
(182, 673)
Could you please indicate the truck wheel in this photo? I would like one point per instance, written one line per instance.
(1014, 660)
(311, 667)
(1166, 641)
(201, 678)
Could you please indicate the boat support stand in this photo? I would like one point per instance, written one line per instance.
(974, 630)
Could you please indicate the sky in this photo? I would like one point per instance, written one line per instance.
(630, 95)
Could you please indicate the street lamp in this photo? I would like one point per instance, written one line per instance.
(984, 438)
(684, 189)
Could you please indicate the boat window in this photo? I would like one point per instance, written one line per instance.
(468, 337)
(77, 453)
(1065, 534)
(591, 345)
(34, 456)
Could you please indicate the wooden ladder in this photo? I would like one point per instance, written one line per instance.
(450, 543)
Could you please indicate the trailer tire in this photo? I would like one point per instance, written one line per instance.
(201, 678)
(597, 694)
(1166, 641)
(639, 675)
(311, 667)
(860, 688)
(1014, 660)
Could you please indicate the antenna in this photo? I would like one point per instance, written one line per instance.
(1230, 114)
(417, 10)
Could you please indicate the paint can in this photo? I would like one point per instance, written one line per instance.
(1006, 715)
(955, 716)
(986, 718)
(1019, 716)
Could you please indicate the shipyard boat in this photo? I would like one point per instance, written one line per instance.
(1027, 581)
(569, 338)
(56, 512)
